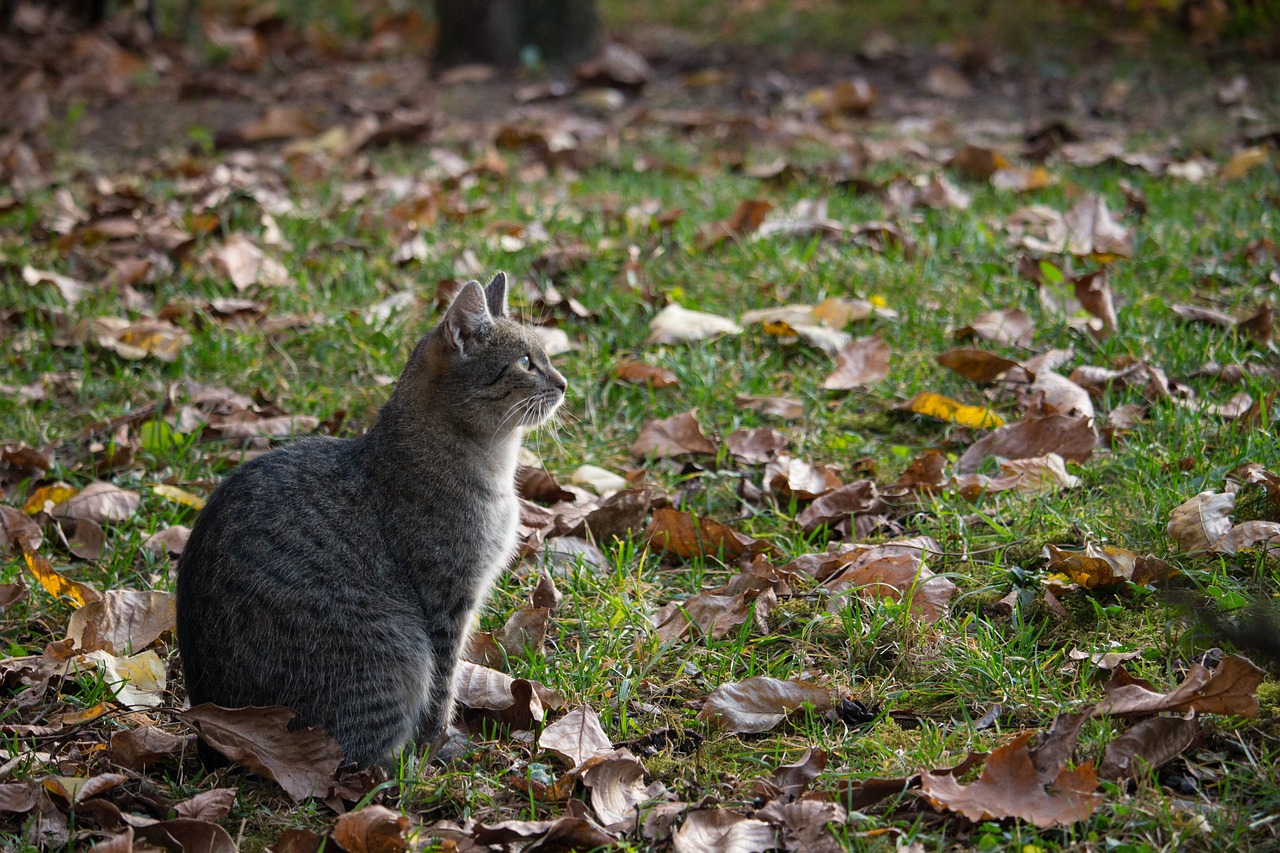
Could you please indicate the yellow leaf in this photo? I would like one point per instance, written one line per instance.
(178, 496)
(780, 329)
(1243, 163)
(75, 718)
(946, 409)
(56, 584)
(45, 496)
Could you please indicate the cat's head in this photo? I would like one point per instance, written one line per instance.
(482, 370)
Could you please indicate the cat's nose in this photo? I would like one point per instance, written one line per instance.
(559, 382)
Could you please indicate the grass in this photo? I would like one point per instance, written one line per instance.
(603, 652)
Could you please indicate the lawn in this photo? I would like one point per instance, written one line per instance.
(205, 253)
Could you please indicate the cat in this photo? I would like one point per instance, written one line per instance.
(338, 577)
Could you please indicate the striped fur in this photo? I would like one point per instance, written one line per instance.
(339, 576)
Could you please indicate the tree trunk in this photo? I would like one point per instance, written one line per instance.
(499, 32)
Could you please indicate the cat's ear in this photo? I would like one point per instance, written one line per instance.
(466, 317)
(495, 293)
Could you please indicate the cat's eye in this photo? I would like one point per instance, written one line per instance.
(524, 362)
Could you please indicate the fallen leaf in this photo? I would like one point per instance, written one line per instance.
(977, 162)
(85, 539)
(137, 340)
(945, 409)
(302, 762)
(1071, 438)
(71, 289)
(638, 373)
(977, 365)
(1092, 231)
(795, 478)
(857, 498)
(688, 536)
(55, 583)
(714, 613)
(576, 737)
(1250, 534)
(1230, 688)
(178, 496)
(895, 576)
(99, 502)
(673, 436)
(17, 528)
(170, 540)
(863, 362)
(1009, 787)
(675, 324)
(138, 680)
(1037, 475)
(123, 620)
(516, 703)
(598, 479)
(1242, 163)
(187, 834)
(144, 746)
(756, 446)
(723, 831)
(1147, 746)
(372, 829)
(617, 787)
(246, 265)
(744, 220)
(211, 805)
(12, 593)
(1199, 523)
(760, 703)
(792, 780)
(1058, 395)
(787, 408)
(1105, 565)
(807, 824)
(1006, 326)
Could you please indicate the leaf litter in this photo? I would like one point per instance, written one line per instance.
(118, 229)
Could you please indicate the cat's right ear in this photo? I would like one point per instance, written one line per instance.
(496, 294)
(466, 317)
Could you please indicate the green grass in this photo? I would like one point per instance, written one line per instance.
(603, 652)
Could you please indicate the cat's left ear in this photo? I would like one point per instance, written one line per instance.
(495, 294)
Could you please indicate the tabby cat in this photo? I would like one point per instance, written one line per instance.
(338, 577)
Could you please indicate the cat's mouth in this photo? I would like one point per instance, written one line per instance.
(541, 407)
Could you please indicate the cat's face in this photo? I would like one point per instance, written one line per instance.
(490, 374)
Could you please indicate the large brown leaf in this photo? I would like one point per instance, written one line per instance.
(756, 446)
(1006, 326)
(864, 361)
(895, 576)
(372, 829)
(1071, 438)
(687, 535)
(857, 498)
(1105, 565)
(302, 762)
(1231, 688)
(137, 748)
(100, 502)
(1009, 787)
(576, 737)
(616, 782)
(1147, 746)
(516, 703)
(758, 704)
(673, 436)
(723, 831)
(124, 620)
(977, 365)
(795, 478)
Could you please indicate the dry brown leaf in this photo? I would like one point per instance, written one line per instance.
(12, 593)
(123, 620)
(246, 265)
(1007, 326)
(1105, 565)
(977, 162)
(84, 537)
(563, 833)
(187, 834)
(143, 746)
(977, 365)
(1009, 787)
(894, 576)
(372, 829)
(137, 340)
(676, 325)
(170, 540)
(100, 502)
(1250, 534)
(857, 498)
(863, 362)
(1200, 522)
(1092, 231)
(1071, 438)
(1149, 745)
(743, 222)
(302, 762)
(617, 787)
(795, 478)
(211, 805)
(673, 436)
(714, 613)
(279, 121)
(492, 696)
(688, 536)
(1242, 163)
(786, 408)
(1036, 475)
(1231, 688)
(756, 446)
(576, 737)
(71, 289)
(638, 373)
(723, 831)
(792, 780)
(18, 528)
(1093, 292)
(760, 703)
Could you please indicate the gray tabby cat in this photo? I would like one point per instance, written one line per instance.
(338, 576)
